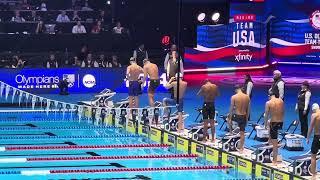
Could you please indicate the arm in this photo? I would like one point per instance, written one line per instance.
(134, 54)
(145, 74)
(166, 61)
(147, 55)
(266, 115)
(181, 67)
(249, 88)
(231, 108)
(310, 128)
(281, 89)
(128, 72)
(307, 100)
(169, 84)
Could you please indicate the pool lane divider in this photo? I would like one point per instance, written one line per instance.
(19, 128)
(78, 147)
(114, 170)
(72, 137)
(97, 158)
(50, 154)
(34, 144)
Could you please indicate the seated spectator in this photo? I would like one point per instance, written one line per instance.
(89, 62)
(97, 28)
(17, 18)
(41, 29)
(114, 62)
(102, 17)
(118, 29)
(52, 62)
(34, 17)
(102, 61)
(25, 5)
(63, 17)
(86, 7)
(83, 53)
(20, 64)
(76, 16)
(43, 6)
(78, 28)
(76, 62)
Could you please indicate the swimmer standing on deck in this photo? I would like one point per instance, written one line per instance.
(239, 112)
(133, 73)
(314, 125)
(151, 70)
(275, 109)
(209, 92)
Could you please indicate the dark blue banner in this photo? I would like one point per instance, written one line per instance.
(80, 80)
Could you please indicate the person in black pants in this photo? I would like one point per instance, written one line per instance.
(302, 107)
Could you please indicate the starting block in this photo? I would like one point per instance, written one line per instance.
(263, 152)
(301, 164)
(196, 132)
(230, 143)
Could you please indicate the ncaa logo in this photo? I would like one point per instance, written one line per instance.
(89, 80)
(315, 19)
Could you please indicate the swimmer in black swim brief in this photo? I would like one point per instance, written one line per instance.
(240, 120)
(154, 83)
(274, 127)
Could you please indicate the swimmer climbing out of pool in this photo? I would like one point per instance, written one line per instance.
(239, 111)
(209, 92)
(133, 73)
(314, 125)
(274, 109)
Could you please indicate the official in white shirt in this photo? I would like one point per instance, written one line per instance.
(78, 28)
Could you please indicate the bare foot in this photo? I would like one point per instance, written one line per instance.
(204, 140)
(240, 151)
(274, 163)
(213, 140)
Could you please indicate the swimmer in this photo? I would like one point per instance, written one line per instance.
(239, 112)
(314, 125)
(133, 73)
(151, 70)
(275, 109)
(209, 92)
(173, 83)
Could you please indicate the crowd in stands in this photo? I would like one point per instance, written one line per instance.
(85, 18)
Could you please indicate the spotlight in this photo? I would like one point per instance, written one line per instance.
(201, 17)
(215, 17)
(108, 2)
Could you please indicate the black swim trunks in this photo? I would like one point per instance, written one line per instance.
(154, 83)
(274, 127)
(315, 144)
(208, 111)
(241, 120)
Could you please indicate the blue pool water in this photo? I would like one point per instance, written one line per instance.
(18, 132)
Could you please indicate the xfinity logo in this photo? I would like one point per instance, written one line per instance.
(243, 57)
(89, 80)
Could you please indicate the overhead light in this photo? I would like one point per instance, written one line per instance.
(108, 2)
(201, 17)
(215, 17)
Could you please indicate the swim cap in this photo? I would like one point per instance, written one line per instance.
(315, 106)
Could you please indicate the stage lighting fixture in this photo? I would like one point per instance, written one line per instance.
(215, 17)
(108, 2)
(201, 17)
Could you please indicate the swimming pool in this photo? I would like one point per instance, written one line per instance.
(34, 145)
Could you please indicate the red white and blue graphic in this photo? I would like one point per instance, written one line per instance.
(239, 44)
